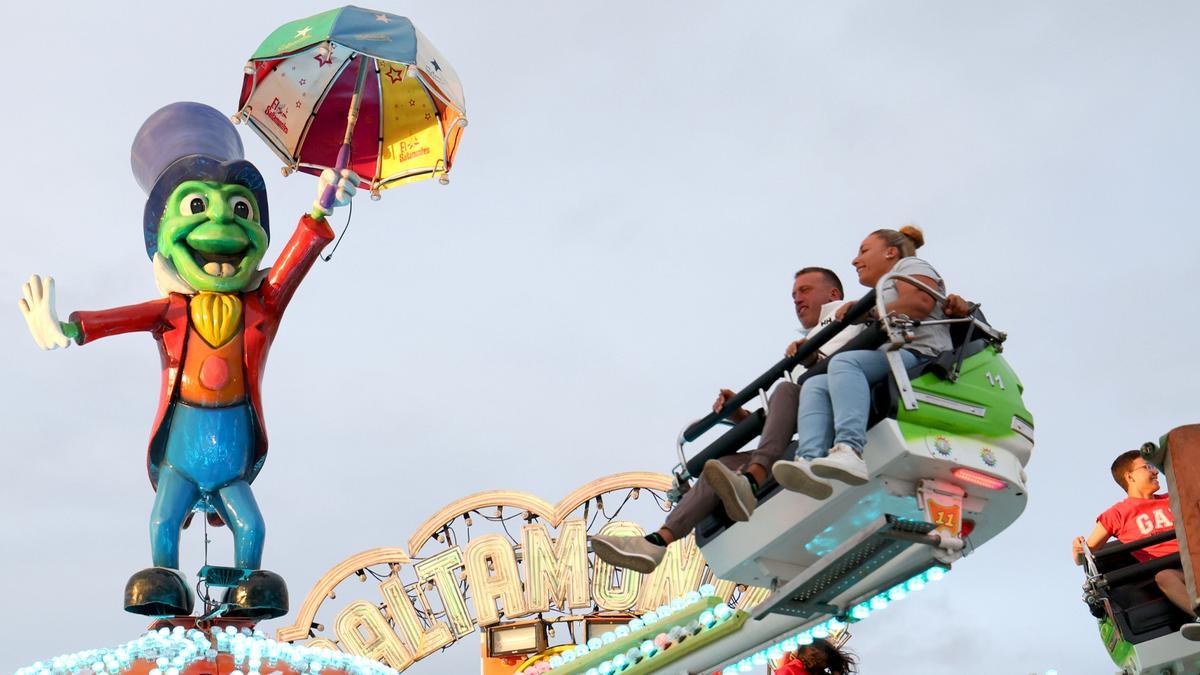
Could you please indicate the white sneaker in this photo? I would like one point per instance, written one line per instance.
(1190, 631)
(733, 489)
(797, 476)
(842, 464)
(631, 553)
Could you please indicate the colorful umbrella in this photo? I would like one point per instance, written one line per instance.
(359, 89)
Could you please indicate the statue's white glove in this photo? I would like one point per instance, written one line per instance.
(347, 185)
(38, 309)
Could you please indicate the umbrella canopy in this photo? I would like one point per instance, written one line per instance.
(300, 85)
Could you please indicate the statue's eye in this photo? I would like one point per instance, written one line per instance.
(192, 204)
(241, 207)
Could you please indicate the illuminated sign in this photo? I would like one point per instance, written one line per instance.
(452, 579)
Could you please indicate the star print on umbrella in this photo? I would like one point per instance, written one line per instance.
(298, 84)
(394, 74)
(382, 18)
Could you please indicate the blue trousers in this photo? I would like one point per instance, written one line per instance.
(834, 406)
(208, 453)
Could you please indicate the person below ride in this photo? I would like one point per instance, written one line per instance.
(820, 657)
(1141, 514)
(834, 406)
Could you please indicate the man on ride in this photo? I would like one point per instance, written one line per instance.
(733, 479)
(1141, 514)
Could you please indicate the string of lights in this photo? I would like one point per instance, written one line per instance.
(170, 651)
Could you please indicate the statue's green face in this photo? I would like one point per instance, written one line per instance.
(210, 232)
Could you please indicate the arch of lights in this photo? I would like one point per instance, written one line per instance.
(489, 559)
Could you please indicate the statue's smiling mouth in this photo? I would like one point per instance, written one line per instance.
(217, 264)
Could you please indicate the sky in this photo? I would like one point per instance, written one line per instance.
(636, 187)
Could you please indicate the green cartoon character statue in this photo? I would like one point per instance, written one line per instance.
(206, 231)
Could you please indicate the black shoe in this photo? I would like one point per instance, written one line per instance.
(263, 596)
(158, 591)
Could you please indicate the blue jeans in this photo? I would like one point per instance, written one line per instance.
(834, 406)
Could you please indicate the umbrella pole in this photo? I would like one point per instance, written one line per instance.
(343, 158)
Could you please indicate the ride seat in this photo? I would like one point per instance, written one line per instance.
(1136, 604)
(885, 395)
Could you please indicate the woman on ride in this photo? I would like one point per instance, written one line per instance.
(832, 423)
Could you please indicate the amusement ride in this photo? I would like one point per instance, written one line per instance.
(363, 100)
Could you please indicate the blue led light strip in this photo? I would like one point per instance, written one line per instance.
(822, 630)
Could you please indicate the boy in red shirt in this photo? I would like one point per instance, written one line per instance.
(1141, 514)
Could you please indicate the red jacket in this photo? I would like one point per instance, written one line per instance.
(168, 318)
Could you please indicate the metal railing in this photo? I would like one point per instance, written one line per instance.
(760, 384)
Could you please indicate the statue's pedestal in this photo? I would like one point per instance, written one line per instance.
(190, 622)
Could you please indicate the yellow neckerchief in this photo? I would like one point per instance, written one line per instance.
(216, 316)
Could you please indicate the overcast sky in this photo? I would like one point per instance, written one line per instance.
(637, 185)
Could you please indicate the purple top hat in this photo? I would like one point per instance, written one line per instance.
(189, 141)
